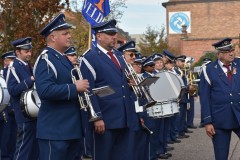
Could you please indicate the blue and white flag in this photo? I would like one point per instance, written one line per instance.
(94, 11)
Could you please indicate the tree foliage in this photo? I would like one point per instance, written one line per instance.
(154, 40)
(211, 55)
(26, 18)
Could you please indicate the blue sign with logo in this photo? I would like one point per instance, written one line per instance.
(177, 20)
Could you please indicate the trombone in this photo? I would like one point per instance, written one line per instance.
(86, 97)
(140, 91)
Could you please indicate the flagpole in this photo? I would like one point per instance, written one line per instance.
(89, 35)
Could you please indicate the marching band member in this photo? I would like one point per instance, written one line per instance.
(140, 136)
(159, 65)
(157, 139)
(19, 79)
(171, 123)
(219, 98)
(59, 125)
(9, 128)
(86, 146)
(117, 117)
(180, 61)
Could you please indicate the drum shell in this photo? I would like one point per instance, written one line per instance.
(162, 110)
(4, 94)
(30, 104)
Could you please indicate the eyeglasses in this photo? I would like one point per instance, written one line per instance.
(131, 55)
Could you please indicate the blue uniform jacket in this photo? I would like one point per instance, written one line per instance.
(116, 110)
(220, 101)
(16, 89)
(59, 115)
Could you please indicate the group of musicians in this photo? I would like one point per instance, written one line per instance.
(119, 127)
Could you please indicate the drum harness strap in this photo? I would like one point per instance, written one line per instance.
(44, 56)
(89, 66)
(12, 69)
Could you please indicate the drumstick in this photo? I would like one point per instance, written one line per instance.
(145, 127)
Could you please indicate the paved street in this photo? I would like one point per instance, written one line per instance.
(199, 146)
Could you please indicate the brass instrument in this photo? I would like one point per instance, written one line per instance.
(192, 81)
(140, 91)
(86, 97)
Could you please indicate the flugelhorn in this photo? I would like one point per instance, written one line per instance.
(140, 91)
(85, 97)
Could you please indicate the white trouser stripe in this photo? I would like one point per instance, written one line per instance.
(22, 141)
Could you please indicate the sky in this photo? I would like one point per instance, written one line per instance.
(142, 13)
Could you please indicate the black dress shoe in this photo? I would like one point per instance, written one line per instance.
(192, 127)
(188, 131)
(168, 154)
(183, 136)
(87, 156)
(163, 156)
(168, 148)
(170, 142)
(176, 141)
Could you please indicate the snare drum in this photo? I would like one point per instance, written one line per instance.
(30, 103)
(166, 91)
(4, 95)
(163, 109)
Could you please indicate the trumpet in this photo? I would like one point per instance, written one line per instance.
(86, 96)
(140, 91)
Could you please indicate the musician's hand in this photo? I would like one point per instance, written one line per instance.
(99, 126)
(131, 83)
(32, 78)
(210, 130)
(82, 85)
(142, 121)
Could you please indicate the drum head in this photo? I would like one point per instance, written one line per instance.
(166, 88)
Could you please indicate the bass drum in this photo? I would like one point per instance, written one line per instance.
(30, 103)
(4, 95)
(167, 91)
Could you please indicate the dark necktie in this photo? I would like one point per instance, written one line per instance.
(29, 69)
(114, 60)
(229, 73)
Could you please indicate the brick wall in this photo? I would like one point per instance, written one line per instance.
(210, 21)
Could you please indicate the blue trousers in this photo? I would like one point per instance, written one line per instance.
(9, 138)
(140, 145)
(155, 146)
(27, 146)
(112, 145)
(190, 112)
(221, 142)
(58, 149)
(182, 119)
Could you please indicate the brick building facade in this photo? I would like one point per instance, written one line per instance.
(211, 20)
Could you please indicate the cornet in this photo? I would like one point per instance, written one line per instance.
(140, 91)
(86, 97)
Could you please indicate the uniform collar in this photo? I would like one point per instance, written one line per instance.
(25, 63)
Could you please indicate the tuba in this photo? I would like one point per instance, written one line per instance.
(85, 97)
(140, 91)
